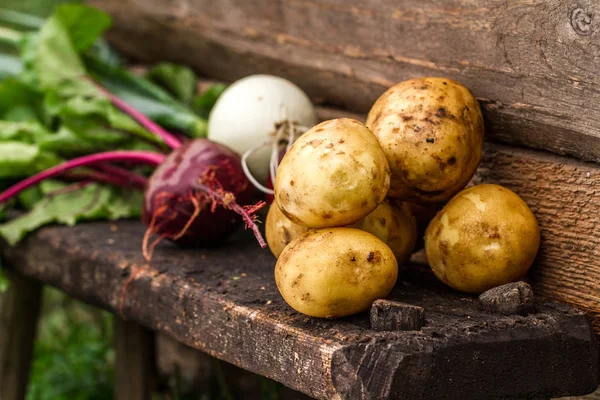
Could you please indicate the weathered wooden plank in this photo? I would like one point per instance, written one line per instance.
(532, 64)
(135, 372)
(225, 302)
(19, 311)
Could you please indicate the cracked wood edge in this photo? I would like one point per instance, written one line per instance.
(533, 65)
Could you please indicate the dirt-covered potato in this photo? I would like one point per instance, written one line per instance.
(395, 226)
(484, 237)
(335, 272)
(431, 131)
(280, 230)
(333, 175)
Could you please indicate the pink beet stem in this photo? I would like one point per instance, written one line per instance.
(128, 177)
(146, 122)
(142, 157)
(102, 177)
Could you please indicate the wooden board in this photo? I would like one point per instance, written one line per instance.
(533, 64)
(224, 302)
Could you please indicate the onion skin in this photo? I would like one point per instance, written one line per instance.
(168, 197)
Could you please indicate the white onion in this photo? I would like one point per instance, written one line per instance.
(246, 113)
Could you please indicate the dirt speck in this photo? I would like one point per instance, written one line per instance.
(296, 281)
(287, 238)
(430, 140)
(441, 112)
(374, 256)
(292, 183)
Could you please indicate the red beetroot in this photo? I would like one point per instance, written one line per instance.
(193, 196)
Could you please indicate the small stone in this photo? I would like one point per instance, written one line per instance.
(509, 299)
(387, 315)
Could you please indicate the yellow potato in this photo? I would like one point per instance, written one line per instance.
(431, 131)
(335, 272)
(333, 175)
(280, 230)
(395, 226)
(484, 237)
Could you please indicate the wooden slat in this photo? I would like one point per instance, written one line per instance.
(19, 311)
(135, 372)
(533, 64)
(225, 302)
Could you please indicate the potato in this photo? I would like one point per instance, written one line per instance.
(395, 226)
(484, 237)
(335, 272)
(280, 230)
(431, 131)
(333, 175)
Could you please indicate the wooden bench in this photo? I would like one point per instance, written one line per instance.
(224, 302)
(533, 66)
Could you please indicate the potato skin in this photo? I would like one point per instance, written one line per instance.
(484, 237)
(333, 175)
(280, 230)
(431, 130)
(395, 226)
(335, 272)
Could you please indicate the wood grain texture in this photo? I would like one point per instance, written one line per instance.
(225, 302)
(19, 311)
(532, 63)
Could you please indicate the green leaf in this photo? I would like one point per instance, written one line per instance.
(35, 7)
(21, 159)
(30, 197)
(92, 202)
(91, 124)
(16, 94)
(177, 79)
(148, 98)
(9, 66)
(56, 59)
(204, 102)
(84, 24)
(25, 132)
